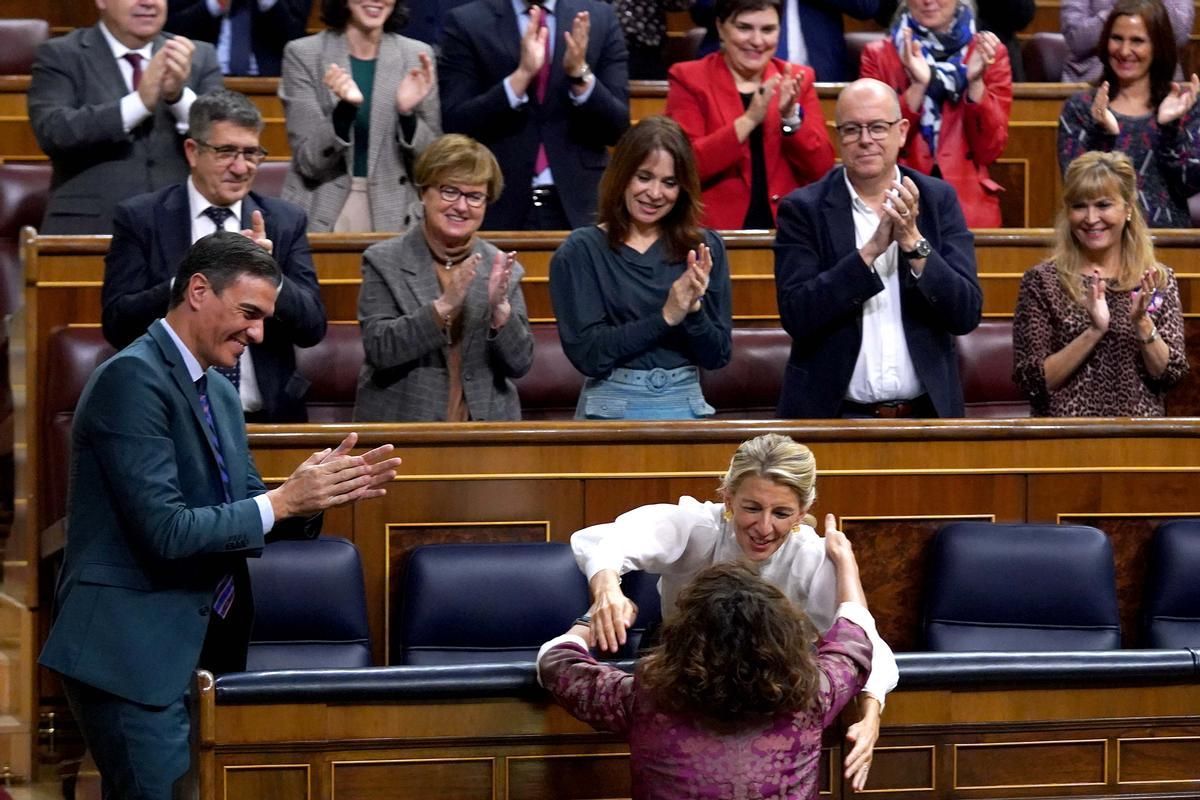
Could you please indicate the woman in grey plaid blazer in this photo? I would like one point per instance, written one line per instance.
(361, 103)
(444, 325)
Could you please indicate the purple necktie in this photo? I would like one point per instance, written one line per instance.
(135, 61)
(223, 597)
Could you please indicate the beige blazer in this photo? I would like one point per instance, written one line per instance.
(319, 178)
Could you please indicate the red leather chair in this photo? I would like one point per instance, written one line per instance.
(23, 192)
(748, 386)
(856, 42)
(985, 367)
(550, 390)
(332, 367)
(269, 179)
(1043, 55)
(19, 40)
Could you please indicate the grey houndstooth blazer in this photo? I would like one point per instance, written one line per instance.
(404, 376)
(319, 178)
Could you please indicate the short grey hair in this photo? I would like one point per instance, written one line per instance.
(222, 105)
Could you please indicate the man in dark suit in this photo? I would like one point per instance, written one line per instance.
(545, 87)
(249, 34)
(165, 505)
(875, 274)
(425, 19)
(152, 232)
(109, 106)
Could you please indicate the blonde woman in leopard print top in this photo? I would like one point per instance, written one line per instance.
(1098, 329)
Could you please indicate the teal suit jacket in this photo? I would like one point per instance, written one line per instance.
(149, 533)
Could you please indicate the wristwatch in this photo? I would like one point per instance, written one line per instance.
(789, 126)
(581, 78)
(922, 250)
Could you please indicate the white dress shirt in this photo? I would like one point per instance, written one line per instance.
(884, 369)
(133, 110)
(226, 34)
(797, 50)
(202, 226)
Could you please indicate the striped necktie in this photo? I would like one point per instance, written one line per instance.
(223, 597)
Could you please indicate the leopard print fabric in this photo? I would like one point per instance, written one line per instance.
(1112, 381)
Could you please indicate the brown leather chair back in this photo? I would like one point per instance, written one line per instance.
(72, 355)
(19, 40)
(748, 386)
(550, 390)
(268, 181)
(985, 366)
(332, 367)
(23, 192)
(1043, 55)
(856, 42)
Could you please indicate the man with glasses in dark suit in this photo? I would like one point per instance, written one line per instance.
(152, 232)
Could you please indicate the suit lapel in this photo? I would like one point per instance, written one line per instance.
(183, 382)
(835, 209)
(389, 71)
(174, 224)
(110, 78)
(508, 33)
(415, 274)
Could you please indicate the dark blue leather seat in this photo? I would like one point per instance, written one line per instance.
(1172, 608)
(1020, 588)
(486, 603)
(310, 608)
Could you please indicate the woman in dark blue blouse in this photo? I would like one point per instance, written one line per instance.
(643, 298)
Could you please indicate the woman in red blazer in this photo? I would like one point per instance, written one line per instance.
(754, 120)
(955, 88)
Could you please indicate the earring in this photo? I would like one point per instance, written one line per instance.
(796, 528)
(727, 514)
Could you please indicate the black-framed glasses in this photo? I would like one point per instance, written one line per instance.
(226, 154)
(877, 130)
(451, 194)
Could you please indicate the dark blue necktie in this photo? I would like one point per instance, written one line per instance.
(223, 597)
(239, 38)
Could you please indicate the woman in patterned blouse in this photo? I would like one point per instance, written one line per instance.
(1136, 109)
(732, 702)
(1098, 329)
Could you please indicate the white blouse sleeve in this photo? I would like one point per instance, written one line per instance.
(823, 608)
(659, 538)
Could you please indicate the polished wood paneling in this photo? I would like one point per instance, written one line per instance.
(578, 776)
(1159, 759)
(1030, 764)
(990, 743)
(267, 782)
(440, 779)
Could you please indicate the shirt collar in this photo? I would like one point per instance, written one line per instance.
(855, 199)
(197, 203)
(521, 7)
(189, 360)
(119, 50)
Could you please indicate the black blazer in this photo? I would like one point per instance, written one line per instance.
(480, 47)
(269, 30)
(822, 283)
(151, 235)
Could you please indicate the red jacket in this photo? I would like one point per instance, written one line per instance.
(973, 135)
(702, 98)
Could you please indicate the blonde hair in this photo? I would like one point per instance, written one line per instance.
(778, 458)
(457, 158)
(1093, 175)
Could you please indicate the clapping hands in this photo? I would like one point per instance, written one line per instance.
(689, 288)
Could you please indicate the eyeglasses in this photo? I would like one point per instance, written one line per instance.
(226, 154)
(451, 194)
(853, 131)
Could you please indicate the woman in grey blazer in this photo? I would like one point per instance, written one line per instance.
(361, 104)
(444, 325)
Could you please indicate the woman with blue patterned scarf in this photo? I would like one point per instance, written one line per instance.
(955, 86)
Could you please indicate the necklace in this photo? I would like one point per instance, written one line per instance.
(448, 260)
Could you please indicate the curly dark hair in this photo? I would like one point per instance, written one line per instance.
(736, 650)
